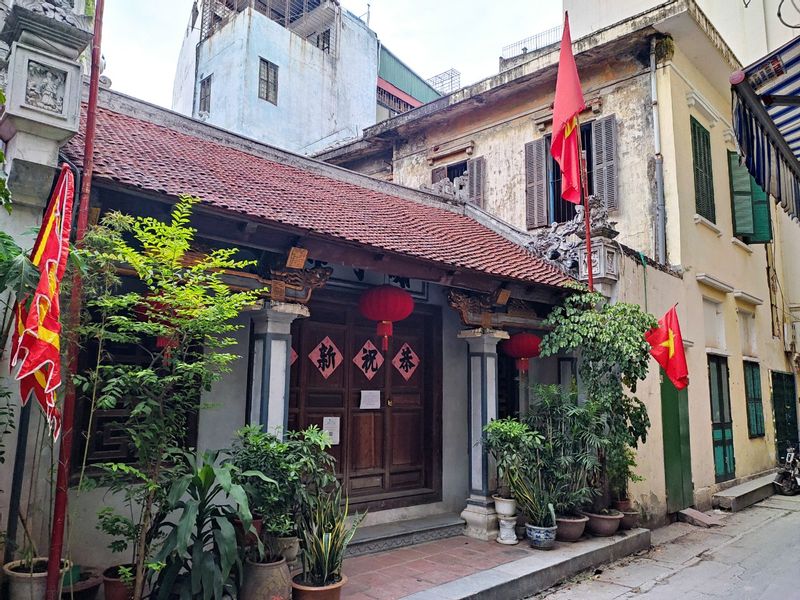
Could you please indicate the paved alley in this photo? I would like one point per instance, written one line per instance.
(755, 555)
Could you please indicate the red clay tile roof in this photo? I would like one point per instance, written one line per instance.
(141, 154)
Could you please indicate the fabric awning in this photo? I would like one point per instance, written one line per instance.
(766, 122)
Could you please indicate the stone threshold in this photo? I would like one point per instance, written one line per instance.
(399, 534)
(543, 569)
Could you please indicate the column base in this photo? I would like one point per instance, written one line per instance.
(481, 519)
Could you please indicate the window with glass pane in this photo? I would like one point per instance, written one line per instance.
(268, 81)
(755, 406)
(205, 95)
(721, 420)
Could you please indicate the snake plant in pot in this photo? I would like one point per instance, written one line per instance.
(325, 536)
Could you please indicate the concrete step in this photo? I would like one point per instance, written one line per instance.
(387, 536)
(745, 494)
(699, 519)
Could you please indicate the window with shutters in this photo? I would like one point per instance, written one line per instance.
(268, 81)
(474, 169)
(543, 202)
(755, 405)
(205, 95)
(703, 172)
(749, 205)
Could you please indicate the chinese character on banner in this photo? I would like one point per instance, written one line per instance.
(326, 357)
(292, 358)
(406, 361)
(368, 360)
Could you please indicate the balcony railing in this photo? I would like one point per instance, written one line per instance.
(540, 40)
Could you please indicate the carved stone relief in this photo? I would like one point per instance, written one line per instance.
(45, 87)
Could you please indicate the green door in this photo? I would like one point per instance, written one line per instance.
(784, 404)
(721, 421)
(677, 454)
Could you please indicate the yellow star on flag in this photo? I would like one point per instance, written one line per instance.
(670, 343)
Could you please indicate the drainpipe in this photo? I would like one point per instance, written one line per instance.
(661, 209)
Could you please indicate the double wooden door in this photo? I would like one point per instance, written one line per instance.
(389, 438)
(677, 451)
(784, 404)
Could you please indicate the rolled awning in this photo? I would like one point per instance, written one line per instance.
(766, 122)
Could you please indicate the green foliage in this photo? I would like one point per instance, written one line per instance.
(188, 306)
(510, 443)
(573, 438)
(620, 462)
(6, 420)
(200, 557)
(325, 536)
(5, 193)
(613, 358)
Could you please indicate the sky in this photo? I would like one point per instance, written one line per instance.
(142, 38)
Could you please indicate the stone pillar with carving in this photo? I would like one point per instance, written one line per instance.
(271, 364)
(479, 514)
(605, 259)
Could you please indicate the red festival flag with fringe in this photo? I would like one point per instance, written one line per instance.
(666, 344)
(36, 342)
(568, 104)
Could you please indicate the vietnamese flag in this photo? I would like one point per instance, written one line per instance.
(667, 348)
(568, 103)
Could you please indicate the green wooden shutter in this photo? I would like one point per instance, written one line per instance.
(536, 183)
(741, 196)
(703, 172)
(604, 158)
(762, 226)
(755, 405)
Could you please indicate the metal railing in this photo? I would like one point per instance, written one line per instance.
(540, 40)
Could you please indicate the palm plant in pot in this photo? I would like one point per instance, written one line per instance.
(507, 441)
(572, 438)
(620, 462)
(326, 535)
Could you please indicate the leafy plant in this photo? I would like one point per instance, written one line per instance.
(613, 358)
(315, 466)
(325, 538)
(188, 308)
(510, 443)
(620, 464)
(199, 556)
(5, 193)
(573, 437)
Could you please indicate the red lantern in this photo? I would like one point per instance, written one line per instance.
(522, 346)
(147, 311)
(385, 304)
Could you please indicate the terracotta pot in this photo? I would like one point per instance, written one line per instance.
(623, 504)
(570, 529)
(505, 507)
(86, 587)
(24, 584)
(113, 588)
(630, 519)
(251, 539)
(289, 548)
(266, 581)
(603, 525)
(328, 592)
(541, 538)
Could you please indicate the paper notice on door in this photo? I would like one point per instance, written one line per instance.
(370, 399)
(331, 426)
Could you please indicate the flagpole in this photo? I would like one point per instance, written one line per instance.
(585, 194)
(68, 417)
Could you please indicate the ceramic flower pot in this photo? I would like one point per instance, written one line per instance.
(266, 581)
(308, 592)
(623, 504)
(508, 532)
(28, 580)
(603, 525)
(505, 507)
(289, 548)
(629, 520)
(113, 587)
(570, 528)
(541, 538)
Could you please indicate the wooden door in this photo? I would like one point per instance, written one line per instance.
(387, 456)
(721, 420)
(677, 453)
(784, 405)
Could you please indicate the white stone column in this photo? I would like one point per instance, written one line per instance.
(272, 350)
(480, 514)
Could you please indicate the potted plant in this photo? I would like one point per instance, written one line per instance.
(84, 584)
(199, 556)
(27, 578)
(620, 462)
(571, 440)
(325, 539)
(506, 440)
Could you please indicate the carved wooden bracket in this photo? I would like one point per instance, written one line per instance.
(481, 310)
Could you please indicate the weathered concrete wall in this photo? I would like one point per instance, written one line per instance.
(323, 98)
(183, 87)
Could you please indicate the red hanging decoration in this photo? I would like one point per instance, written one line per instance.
(522, 346)
(385, 304)
(147, 310)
